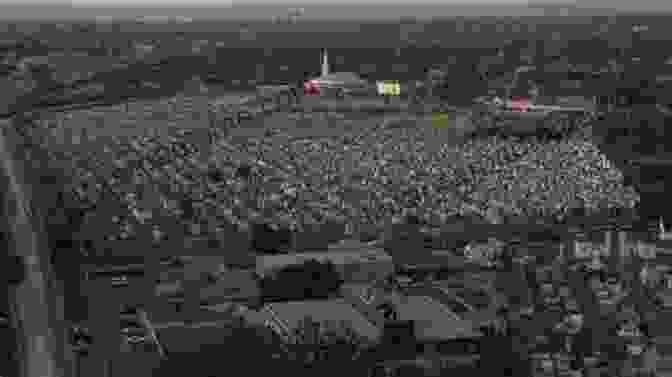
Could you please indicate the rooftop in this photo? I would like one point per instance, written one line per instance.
(266, 263)
(433, 321)
(232, 285)
(342, 76)
(289, 315)
(430, 258)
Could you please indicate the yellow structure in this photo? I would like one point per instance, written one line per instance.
(388, 88)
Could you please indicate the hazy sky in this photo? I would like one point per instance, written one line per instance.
(243, 2)
(274, 2)
(618, 4)
(657, 4)
(337, 9)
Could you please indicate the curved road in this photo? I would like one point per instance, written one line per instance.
(30, 302)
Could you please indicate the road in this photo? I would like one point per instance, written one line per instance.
(29, 301)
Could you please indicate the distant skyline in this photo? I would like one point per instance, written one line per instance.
(314, 9)
(209, 3)
(605, 4)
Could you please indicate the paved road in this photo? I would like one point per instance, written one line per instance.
(29, 301)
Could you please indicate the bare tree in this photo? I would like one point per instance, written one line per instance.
(325, 345)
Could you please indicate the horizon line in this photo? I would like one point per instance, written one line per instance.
(356, 11)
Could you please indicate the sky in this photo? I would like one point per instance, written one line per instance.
(244, 2)
(601, 3)
(634, 4)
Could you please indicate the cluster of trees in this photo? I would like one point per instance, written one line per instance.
(318, 348)
(269, 240)
(330, 344)
(311, 280)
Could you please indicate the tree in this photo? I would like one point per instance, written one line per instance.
(310, 280)
(243, 339)
(317, 347)
(325, 345)
(267, 240)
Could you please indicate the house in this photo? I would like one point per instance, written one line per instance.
(367, 264)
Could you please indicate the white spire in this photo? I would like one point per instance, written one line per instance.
(325, 63)
(661, 227)
(663, 233)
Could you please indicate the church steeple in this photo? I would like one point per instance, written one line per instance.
(325, 63)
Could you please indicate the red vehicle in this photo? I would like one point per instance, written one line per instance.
(519, 104)
(311, 87)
